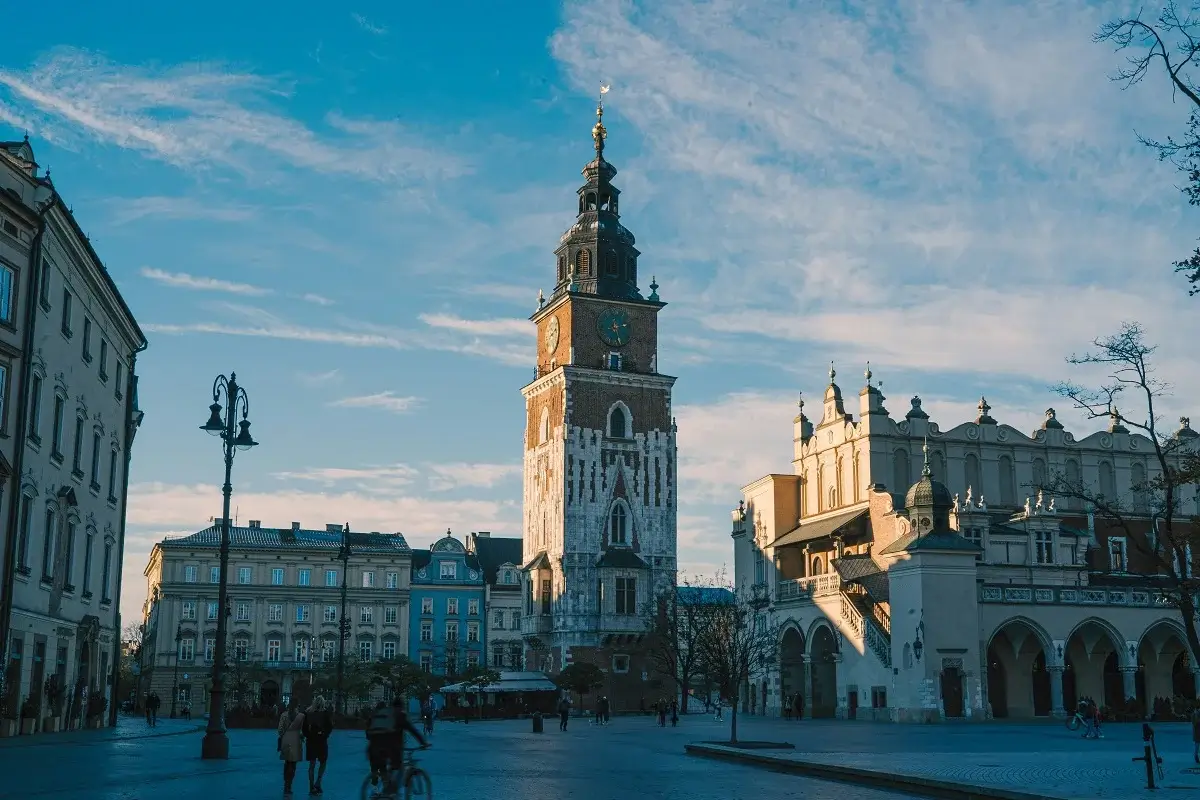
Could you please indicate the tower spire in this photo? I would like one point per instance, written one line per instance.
(599, 132)
(925, 470)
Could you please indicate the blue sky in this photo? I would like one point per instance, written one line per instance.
(355, 211)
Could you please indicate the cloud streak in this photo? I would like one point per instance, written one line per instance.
(182, 280)
(384, 401)
(368, 26)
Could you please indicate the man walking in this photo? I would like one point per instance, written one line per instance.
(564, 713)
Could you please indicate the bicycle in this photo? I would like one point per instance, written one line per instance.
(410, 781)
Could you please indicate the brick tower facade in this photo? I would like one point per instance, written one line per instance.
(600, 454)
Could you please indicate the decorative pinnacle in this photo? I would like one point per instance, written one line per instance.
(599, 133)
(925, 470)
(832, 372)
(800, 403)
(653, 287)
(541, 299)
(868, 373)
(984, 408)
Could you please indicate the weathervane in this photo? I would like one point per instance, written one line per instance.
(598, 132)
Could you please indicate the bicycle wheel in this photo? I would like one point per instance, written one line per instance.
(1073, 723)
(417, 785)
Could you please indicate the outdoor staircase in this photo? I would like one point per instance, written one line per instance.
(870, 622)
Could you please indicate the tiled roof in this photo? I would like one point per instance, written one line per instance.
(286, 538)
(421, 558)
(853, 567)
(493, 552)
(620, 558)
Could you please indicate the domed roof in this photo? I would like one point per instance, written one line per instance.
(927, 491)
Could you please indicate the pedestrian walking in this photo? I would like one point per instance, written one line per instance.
(564, 713)
(153, 706)
(602, 709)
(318, 726)
(798, 702)
(674, 713)
(662, 713)
(719, 718)
(290, 744)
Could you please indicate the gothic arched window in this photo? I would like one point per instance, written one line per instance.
(617, 423)
(1108, 482)
(618, 525)
(1008, 482)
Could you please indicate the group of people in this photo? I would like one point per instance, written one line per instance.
(793, 706)
(305, 733)
(664, 707)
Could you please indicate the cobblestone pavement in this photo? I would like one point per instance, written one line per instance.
(1042, 758)
(632, 757)
(127, 728)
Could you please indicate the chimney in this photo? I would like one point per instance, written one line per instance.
(332, 527)
(295, 526)
(255, 523)
(484, 534)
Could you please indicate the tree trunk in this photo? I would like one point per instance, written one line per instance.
(733, 722)
(1187, 610)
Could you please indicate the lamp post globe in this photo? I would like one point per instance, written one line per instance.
(222, 422)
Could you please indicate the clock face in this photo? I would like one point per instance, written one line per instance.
(614, 327)
(551, 340)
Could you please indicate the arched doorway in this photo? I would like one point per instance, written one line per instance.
(1092, 655)
(1018, 683)
(823, 667)
(268, 694)
(791, 670)
(1164, 667)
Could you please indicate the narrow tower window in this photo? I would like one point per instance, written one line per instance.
(616, 423)
(583, 262)
(618, 525)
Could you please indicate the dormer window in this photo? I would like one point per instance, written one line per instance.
(614, 361)
(448, 569)
(618, 525)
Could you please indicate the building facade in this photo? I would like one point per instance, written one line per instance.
(918, 574)
(285, 608)
(68, 389)
(500, 562)
(449, 626)
(599, 531)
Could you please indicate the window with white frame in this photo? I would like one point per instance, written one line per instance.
(331, 614)
(448, 569)
(241, 649)
(498, 656)
(368, 580)
(277, 576)
(366, 614)
(393, 580)
(1117, 554)
(426, 662)
(426, 605)
(426, 631)
(245, 575)
(331, 577)
(328, 650)
(214, 574)
(301, 651)
(364, 650)
(451, 605)
(498, 619)
(390, 615)
(303, 612)
(626, 596)
(516, 620)
(472, 608)
(187, 648)
(211, 610)
(472, 659)
(472, 631)
(389, 650)
(273, 648)
(189, 573)
(304, 577)
(275, 612)
(452, 630)
(243, 611)
(210, 648)
(188, 610)
(1043, 547)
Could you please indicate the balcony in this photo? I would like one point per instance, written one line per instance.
(1075, 596)
(536, 624)
(804, 590)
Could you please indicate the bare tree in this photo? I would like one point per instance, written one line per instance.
(675, 631)
(1154, 522)
(1172, 41)
(736, 641)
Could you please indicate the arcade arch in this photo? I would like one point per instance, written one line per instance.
(1018, 681)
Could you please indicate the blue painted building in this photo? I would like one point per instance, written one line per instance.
(448, 626)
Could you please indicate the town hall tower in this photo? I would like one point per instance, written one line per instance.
(600, 468)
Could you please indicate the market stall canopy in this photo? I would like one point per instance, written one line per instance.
(509, 682)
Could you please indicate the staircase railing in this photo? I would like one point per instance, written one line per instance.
(869, 630)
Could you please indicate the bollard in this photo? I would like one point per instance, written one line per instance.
(537, 722)
(1150, 755)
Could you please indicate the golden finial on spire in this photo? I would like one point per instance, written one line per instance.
(599, 133)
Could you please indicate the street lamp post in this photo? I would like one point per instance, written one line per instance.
(175, 682)
(344, 624)
(216, 741)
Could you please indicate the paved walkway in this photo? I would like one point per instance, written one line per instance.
(1034, 760)
(127, 728)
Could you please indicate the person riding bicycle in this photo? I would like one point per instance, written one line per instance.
(385, 742)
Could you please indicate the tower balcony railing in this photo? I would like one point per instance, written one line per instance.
(1077, 595)
(806, 589)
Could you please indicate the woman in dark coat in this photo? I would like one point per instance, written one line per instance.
(318, 725)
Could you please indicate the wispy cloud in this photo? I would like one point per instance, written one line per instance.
(444, 477)
(319, 378)
(391, 475)
(367, 25)
(134, 209)
(208, 115)
(182, 280)
(316, 299)
(386, 401)
(480, 327)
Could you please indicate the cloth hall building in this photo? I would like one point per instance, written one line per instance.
(915, 575)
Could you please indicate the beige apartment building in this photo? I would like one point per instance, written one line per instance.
(917, 575)
(284, 608)
(68, 415)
